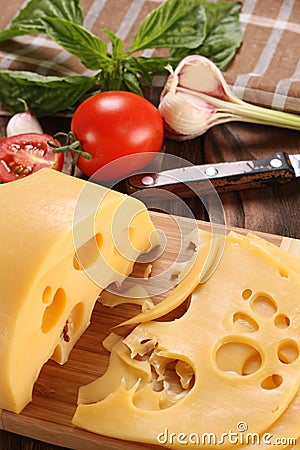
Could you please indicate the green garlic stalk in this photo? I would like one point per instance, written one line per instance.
(196, 97)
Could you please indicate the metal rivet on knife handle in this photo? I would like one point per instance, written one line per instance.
(211, 171)
(148, 180)
(276, 162)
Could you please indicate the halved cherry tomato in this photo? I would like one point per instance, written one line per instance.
(113, 124)
(23, 154)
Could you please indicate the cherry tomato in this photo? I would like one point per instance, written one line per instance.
(23, 154)
(114, 124)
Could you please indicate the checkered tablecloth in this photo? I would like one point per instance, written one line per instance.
(265, 71)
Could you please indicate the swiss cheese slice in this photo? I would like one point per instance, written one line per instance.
(62, 241)
(232, 357)
(198, 268)
(283, 433)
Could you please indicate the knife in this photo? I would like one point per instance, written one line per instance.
(223, 176)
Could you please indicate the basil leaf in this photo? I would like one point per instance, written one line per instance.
(151, 65)
(175, 23)
(117, 43)
(37, 9)
(28, 21)
(10, 33)
(143, 68)
(78, 41)
(44, 95)
(110, 80)
(224, 35)
(131, 83)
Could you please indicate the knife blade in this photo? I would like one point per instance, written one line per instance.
(223, 176)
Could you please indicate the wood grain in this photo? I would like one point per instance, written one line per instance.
(48, 417)
(273, 209)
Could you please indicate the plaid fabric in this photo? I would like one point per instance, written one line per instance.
(265, 71)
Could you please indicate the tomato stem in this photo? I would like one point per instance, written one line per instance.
(73, 145)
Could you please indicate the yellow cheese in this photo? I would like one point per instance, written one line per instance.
(62, 241)
(232, 357)
(197, 270)
(287, 253)
(284, 432)
(136, 295)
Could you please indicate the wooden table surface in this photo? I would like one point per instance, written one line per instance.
(274, 209)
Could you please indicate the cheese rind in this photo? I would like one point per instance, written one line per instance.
(57, 254)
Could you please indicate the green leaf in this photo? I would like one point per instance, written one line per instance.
(131, 83)
(117, 43)
(28, 20)
(44, 95)
(110, 80)
(91, 50)
(143, 68)
(10, 33)
(175, 23)
(37, 9)
(222, 16)
(224, 35)
(150, 65)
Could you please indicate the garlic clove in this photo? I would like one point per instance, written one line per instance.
(199, 74)
(186, 117)
(181, 115)
(23, 122)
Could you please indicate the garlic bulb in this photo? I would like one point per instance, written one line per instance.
(196, 97)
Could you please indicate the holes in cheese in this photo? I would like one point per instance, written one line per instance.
(47, 294)
(245, 322)
(136, 295)
(246, 294)
(171, 377)
(88, 253)
(264, 305)
(71, 330)
(73, 322)
(272, 382)
(283, 272)
(54, 311)
(281, 321)
(46, 299)
(238, 357)
(288, 351)
(240, 338)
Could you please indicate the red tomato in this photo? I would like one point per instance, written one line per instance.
(23, 154)
(114, 124)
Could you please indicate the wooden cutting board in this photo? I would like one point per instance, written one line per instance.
(48, 416)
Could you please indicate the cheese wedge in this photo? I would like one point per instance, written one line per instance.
(232, 357)
(62, 241)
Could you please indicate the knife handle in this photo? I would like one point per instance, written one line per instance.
(225, 177)
(274, 169)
